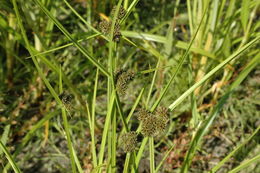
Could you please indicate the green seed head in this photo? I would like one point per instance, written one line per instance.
(129, 141)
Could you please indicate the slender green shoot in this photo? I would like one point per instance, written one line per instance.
(151, 149)
(10, 158)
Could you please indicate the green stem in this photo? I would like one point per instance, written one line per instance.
(151, 147)
(9, 157)
(111, 88)
(94, 155)
(127, 160)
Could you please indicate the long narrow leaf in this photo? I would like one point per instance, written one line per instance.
(178, 67)
(69, 36)
(245, 164)
(9, 157)
(52, 91)
(207, 123)
(212, 72)
(223, 161)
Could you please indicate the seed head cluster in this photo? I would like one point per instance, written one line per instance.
(121, 12)
(122, 79)
(142, 114)
(149, 126)
(163, 113)
(105, 26)
(153, 124)
(129, 141)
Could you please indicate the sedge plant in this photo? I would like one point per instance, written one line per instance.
(128, 86)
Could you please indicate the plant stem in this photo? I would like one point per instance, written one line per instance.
(151, 147)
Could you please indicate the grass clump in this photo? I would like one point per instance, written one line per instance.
(69, 86)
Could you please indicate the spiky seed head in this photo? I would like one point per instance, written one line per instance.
(129, 141)
(104, 26)
(121, 12)
(117, 33)
(143, 114)
(118, 72)
(122, 80)
(153, 124)
(160, 124)
(163, 113)
(149, 126)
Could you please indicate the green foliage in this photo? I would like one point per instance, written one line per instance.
(73, 74)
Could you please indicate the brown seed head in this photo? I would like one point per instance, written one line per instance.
(163, 113)
(122, 78)
(121, 12)
(104, 26)
(143, 114)
(149, 126)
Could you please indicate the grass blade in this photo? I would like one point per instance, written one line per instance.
(81, 18)
(105, 131)
(164, 158)
(69, 36)
(129, 10)
(151, 148)
(140, 152)
(9, 157)
(66, 127)
(152, 83)
(207, 123)
(4, 137)
(212, 72)
(135, 105)
(48, 85)
(223, 161)
(244, 14)
(127, 160)
(245, 164)
(162, 39)
(64, 46)
(178, 67)
(93, 148)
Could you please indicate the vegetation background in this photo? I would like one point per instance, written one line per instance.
(63, 108)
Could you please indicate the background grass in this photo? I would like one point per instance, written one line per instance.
(60, 108)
